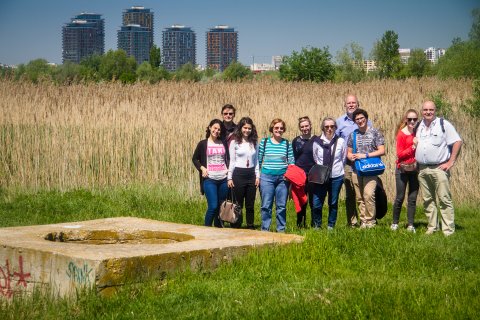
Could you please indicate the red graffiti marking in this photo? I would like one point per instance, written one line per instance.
(6, 278)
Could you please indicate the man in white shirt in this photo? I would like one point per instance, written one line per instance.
(437, 146)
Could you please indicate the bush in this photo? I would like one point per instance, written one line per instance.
(443, 106)
(472, 107)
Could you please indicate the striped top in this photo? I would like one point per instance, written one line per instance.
(273, 158)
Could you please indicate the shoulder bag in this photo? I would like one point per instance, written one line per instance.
(373, 166)
(319, 173)
(230, 210)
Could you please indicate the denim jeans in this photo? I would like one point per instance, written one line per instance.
(332, 187)
(273, 186)
(215, 192)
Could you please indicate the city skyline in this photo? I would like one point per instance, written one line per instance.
(31, 30)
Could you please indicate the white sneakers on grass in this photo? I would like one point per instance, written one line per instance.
(394, 227)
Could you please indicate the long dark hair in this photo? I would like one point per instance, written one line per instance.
(237, 134)
(222, 128)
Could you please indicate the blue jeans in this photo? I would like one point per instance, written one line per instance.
(273, 186)
(332, 187)
(215, 192)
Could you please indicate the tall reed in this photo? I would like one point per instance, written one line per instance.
(97, 135)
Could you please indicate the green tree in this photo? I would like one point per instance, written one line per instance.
(311, 64)
(155, 56)
(350, 63)
(475, 29)
(115, 65)
(188, 72)
(67, 73)
(90, 68)
(418, 65)
(37, 70)
(385, 52)
(236, 71)
(460, 60)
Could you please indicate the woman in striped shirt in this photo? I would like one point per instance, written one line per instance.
(274, 155)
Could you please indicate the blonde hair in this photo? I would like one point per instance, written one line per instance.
(403, 122)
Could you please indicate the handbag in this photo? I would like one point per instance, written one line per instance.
(319, 173)
(373, 166)
(408, 167)
(230, 210)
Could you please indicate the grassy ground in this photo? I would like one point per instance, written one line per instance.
(347, 274)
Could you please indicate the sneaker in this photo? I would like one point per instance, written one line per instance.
(430, 231)
(363, 226)
(394, 226)
(329, 228)
(411, 229)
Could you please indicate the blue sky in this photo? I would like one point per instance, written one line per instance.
(31, 29)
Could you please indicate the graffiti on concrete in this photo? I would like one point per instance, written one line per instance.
(10, 279)
(79, 274)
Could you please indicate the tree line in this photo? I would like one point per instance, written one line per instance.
(310, 64)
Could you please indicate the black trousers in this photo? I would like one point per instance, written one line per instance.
(245, 192)
(402, 179)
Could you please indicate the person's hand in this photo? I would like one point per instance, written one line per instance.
(447, 165)
(230, 183)
(257, 182)
(415, 141)
(356, 156)
(204, 172)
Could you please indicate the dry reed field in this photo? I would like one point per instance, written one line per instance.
(101, 135)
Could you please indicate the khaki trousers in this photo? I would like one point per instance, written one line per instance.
(350, 199)
(435, 184)
(365, 195)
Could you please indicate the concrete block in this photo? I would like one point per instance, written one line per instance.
(107, 253)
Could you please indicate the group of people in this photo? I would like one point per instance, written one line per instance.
(231, 159)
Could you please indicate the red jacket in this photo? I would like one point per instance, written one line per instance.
(297, 178)
(405, 152)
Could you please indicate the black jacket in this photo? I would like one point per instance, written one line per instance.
(199, 158)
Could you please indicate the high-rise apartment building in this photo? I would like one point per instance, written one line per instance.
(404, 55)
(222, 47)
(83, 37)
(139, 15)
(135, 41)
(178, 47)
(136, 34)
(433, 54)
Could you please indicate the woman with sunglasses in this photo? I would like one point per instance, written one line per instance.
(274, 156)
(405, 172)
(329, 149)
(211, 158)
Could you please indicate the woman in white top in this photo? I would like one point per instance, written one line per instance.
(243, 173)
(328, 150)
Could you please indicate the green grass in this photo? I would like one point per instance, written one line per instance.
(345, 274)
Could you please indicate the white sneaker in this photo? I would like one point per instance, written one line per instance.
(411, 229)
(394, 226)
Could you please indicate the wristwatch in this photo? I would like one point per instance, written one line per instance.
(366, 155)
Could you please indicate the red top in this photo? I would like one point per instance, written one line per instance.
(405, 152)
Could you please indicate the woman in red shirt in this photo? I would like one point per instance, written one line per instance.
(406, 170)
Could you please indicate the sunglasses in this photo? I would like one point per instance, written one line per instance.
(228, 113)
(359, 119)
(329, 127)
(412, 119)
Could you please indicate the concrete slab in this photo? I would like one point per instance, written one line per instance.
(108, 253)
